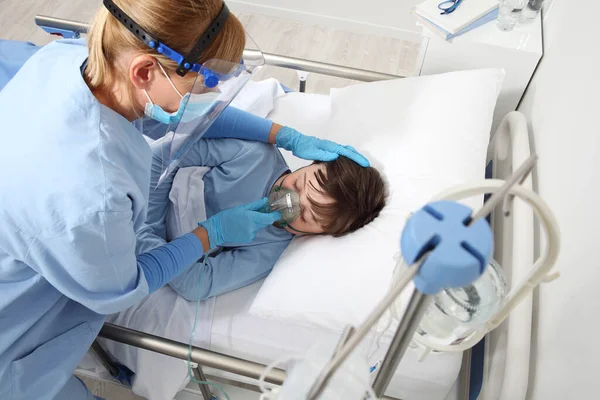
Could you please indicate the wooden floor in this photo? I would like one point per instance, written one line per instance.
(273, 35)
(376, 53)
(109, 391)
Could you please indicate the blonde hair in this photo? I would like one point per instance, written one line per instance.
(177, 23)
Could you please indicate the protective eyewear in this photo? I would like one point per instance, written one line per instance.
(205, 103)
(186, 62)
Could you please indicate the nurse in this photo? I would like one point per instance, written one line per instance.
(75, 176)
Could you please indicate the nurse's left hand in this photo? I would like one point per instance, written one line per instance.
(312, 148)
(239, 224)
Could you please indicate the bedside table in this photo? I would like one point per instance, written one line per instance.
(518, 52)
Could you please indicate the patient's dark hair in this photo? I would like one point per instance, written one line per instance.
(359, 194)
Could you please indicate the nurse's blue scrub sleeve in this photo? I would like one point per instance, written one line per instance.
(238, 124)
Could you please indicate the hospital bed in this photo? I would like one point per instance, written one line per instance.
(242, 344)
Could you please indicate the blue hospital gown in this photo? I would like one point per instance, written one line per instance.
(242, 171)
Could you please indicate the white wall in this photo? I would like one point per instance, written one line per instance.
(564, 112)
(381, 17)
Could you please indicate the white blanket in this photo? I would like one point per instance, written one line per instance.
(186, 199)
(258, 97)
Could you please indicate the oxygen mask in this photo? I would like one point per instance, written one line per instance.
(287, 202)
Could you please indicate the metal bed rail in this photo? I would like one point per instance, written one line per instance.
(59, 25)
(203, 357)
(199, 356)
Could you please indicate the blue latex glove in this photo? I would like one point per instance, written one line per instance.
(238, 224)
(312, 148)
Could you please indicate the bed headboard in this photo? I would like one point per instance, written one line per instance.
(508, 347)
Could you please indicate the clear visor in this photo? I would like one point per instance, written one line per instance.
(217, 84)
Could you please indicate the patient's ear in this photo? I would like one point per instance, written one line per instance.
(143, 70)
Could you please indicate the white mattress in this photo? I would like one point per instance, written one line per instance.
(234, 331)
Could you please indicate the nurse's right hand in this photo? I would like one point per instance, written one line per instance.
(238, 224)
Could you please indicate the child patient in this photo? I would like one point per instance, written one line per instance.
(337, 198)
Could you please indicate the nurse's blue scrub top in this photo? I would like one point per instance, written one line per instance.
(74, 182)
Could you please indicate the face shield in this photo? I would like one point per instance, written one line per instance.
(217, 82)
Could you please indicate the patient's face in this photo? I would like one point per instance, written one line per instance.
(304, 181)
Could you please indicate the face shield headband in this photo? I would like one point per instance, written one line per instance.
(217, 83)
(186, 62)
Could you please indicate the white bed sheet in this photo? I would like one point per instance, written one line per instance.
(238, 333)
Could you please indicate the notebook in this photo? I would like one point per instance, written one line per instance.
(465, 14)
(492, 15)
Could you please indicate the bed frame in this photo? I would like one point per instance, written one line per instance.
(504, 373)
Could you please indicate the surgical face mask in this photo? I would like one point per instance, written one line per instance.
(191, 106)
(287, 202)
(200, 105)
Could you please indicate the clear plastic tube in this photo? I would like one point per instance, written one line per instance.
(192, 334)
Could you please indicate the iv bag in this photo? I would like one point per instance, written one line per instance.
(455, 313)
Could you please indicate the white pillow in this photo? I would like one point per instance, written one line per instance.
(307, 112)
(424, 134)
